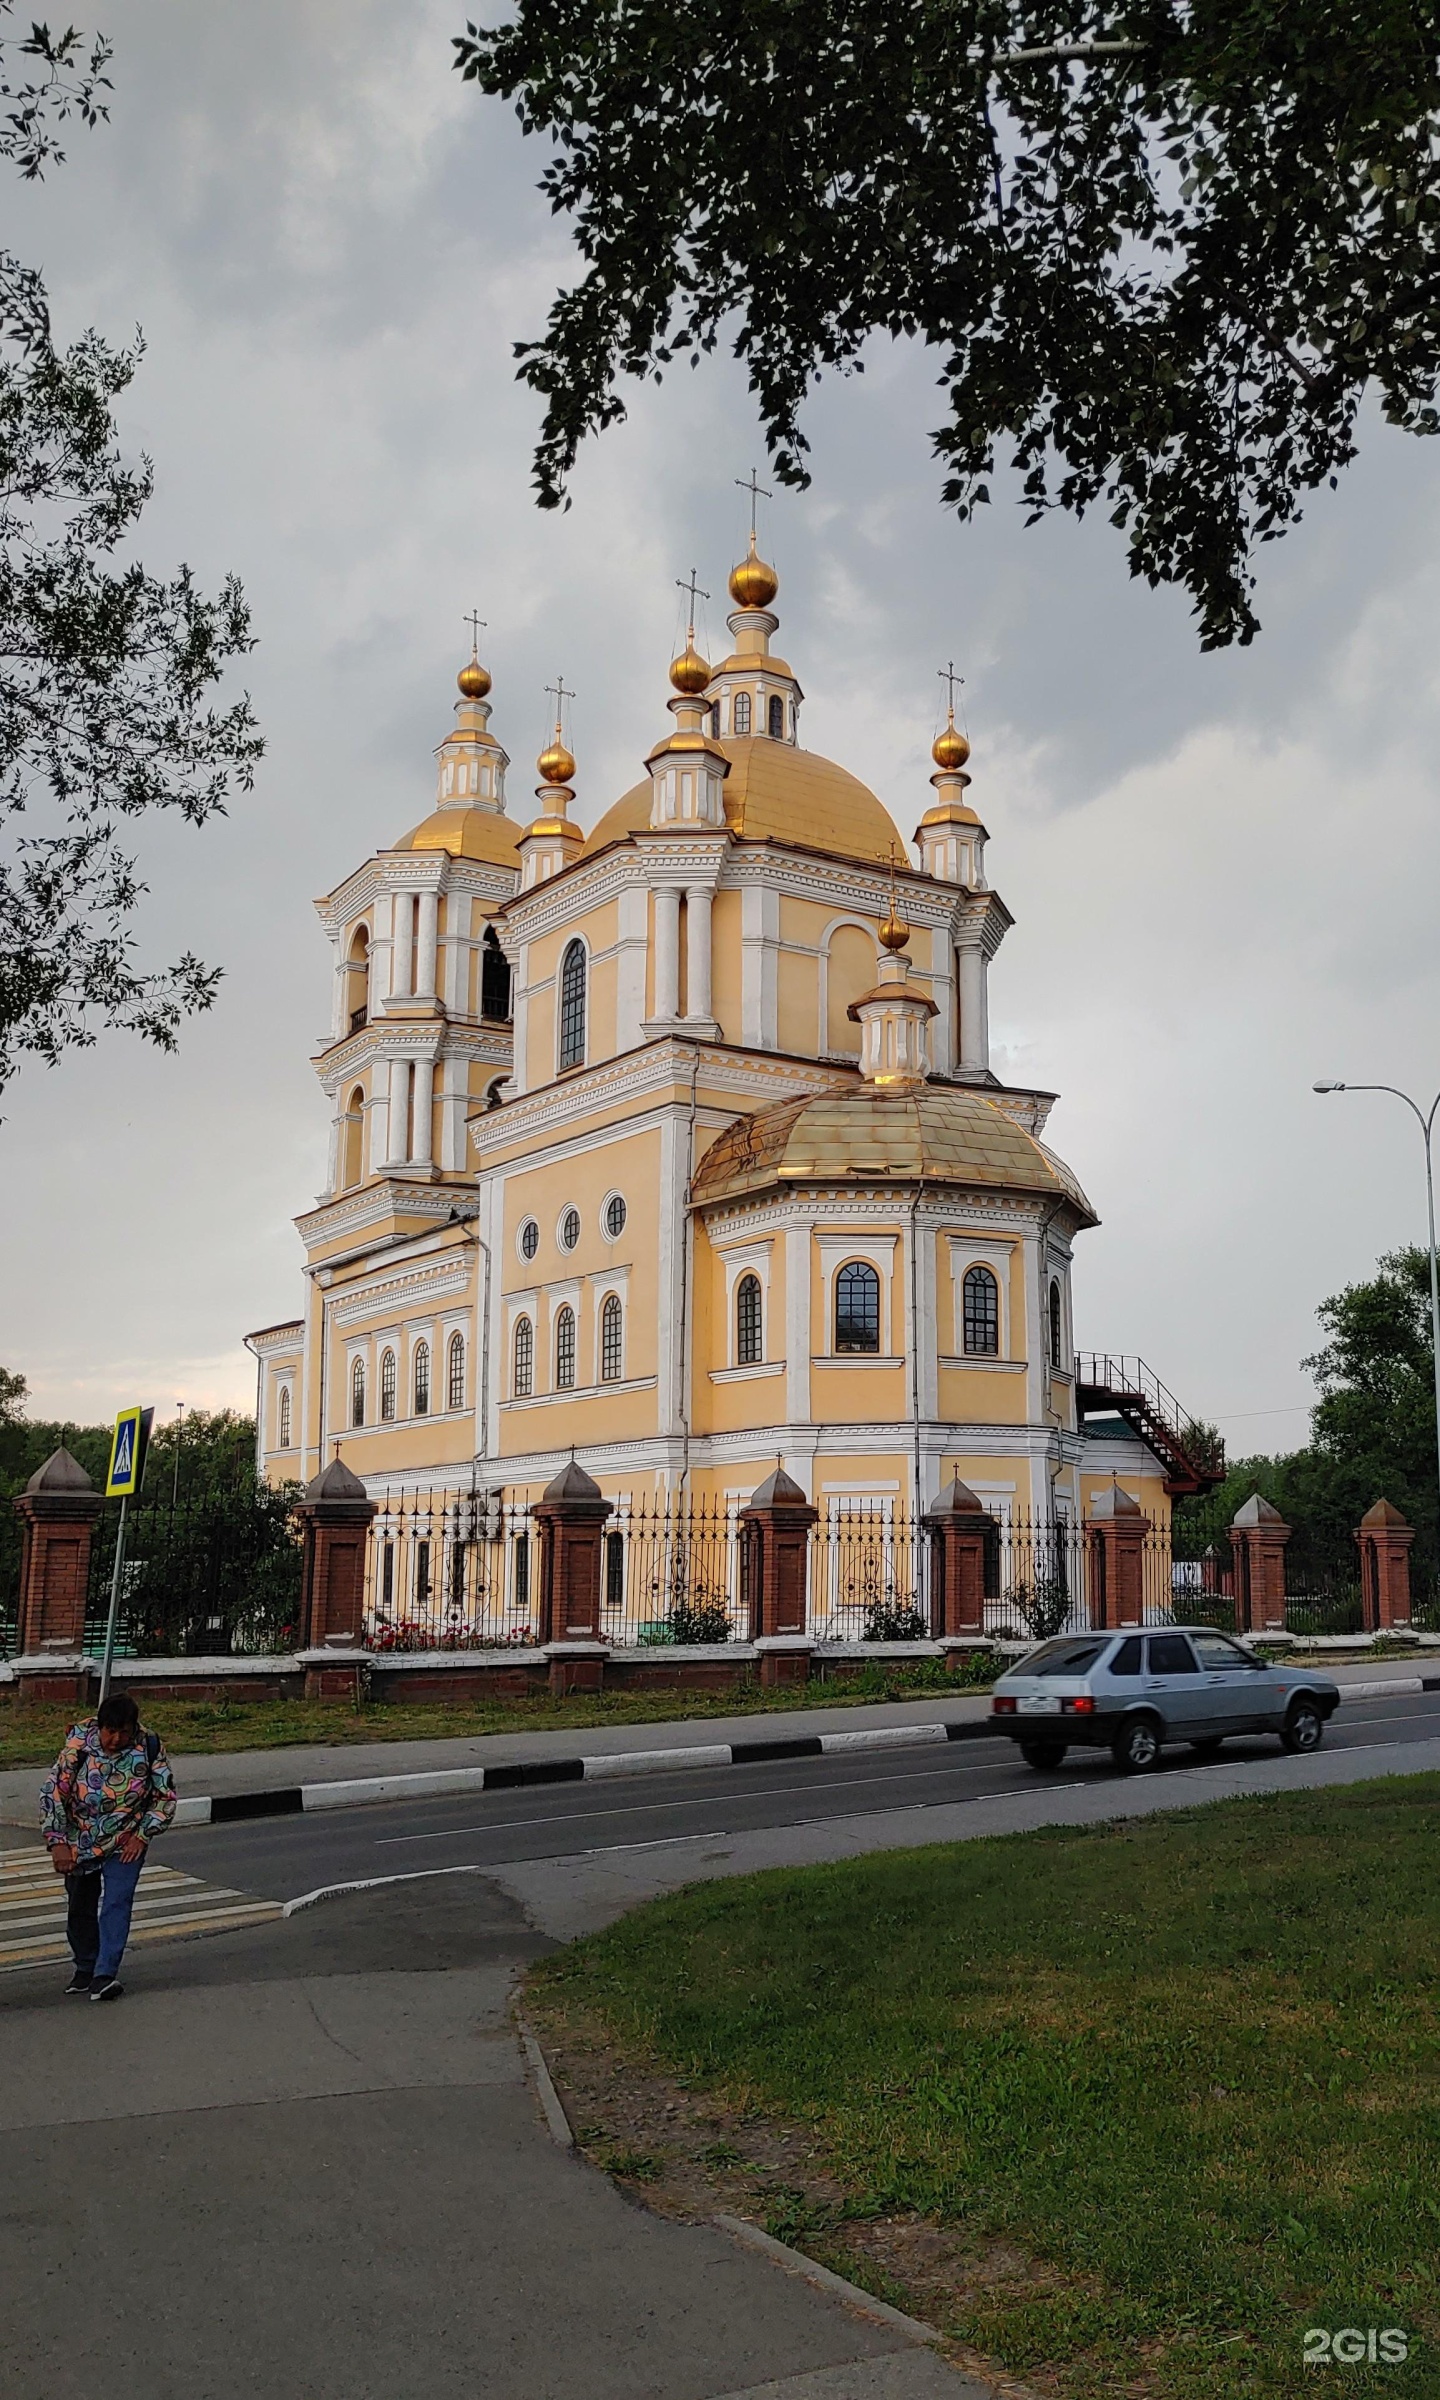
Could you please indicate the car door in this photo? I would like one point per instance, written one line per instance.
(1239, 1692)
(1173, 1681)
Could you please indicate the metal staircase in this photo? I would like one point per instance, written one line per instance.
(1192, 1456)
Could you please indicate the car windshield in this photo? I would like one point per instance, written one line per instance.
(1070, 1657)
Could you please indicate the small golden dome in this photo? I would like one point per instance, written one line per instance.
(950, 749)
(474, 680)
(894, 933)
(753, 584)
(555, 764)
(689, 672)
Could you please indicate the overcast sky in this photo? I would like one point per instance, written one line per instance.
(1223, 870)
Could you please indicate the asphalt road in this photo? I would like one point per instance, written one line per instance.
(283, 1857)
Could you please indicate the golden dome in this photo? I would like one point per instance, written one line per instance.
(555, 764)
(467, 833)
(689, 672)
(474, 680)
(753, 584)
(944, 1135)
(950, 749)
(894, 933)
(775, 792)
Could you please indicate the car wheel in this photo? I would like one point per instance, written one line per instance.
(1136, 1747)
(1042, 1754)
(1303, 1728)
(1210, 1747)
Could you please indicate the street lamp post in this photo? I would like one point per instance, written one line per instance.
(1426, 1124)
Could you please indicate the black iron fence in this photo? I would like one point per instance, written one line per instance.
(215, 1576)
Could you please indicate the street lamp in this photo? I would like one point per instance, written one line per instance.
(1427, 1126)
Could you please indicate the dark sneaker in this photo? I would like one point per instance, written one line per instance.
(106, 1988)
(78, 1986)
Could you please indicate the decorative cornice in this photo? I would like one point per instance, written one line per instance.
(397, 1295)
(757, 1076)
(401, 870)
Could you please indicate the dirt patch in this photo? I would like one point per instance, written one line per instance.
(691, 2156)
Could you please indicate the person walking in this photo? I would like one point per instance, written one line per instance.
(108, 1794)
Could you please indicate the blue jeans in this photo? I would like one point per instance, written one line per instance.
(97, 1921)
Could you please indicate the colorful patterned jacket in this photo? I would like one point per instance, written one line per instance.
(95, 1802)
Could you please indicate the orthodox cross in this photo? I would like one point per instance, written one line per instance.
(477, 626)
(749, 483)
(560, 694)
(949, 678)
(693, 588)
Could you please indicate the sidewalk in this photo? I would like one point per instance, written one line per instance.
(349, 2192)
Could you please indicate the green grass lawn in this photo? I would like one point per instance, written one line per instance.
(30, 1736)
(1188, 2065)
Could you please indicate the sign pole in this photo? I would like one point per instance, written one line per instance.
(113, 1618)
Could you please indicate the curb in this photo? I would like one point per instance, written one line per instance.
(795, 2262)
(230, 1808)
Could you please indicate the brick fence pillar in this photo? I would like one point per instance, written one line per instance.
(335, 1515)
(1116, 1532)
(1385, 1538)
(958, 1523)
(775, 1531)
(1258, 1534)
(58, 1510)
(571, 1514)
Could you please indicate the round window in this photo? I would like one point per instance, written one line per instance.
(614, 1216)
(570, 1229)
(529, 1238)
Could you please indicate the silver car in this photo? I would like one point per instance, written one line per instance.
(1131, 1693)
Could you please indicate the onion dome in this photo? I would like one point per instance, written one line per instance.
(753, 584)
(474, 680)
(555, 765)
(689, 672)
(950, 748)
(894, 933)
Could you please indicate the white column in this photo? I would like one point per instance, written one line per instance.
(397, 1148)
(422, 1145)
(697, 926)
(798, 1338)
(337, 1136)
(457, 955)
(974, 1048)
(340, 1013)
(402, 947)
(634, 916)
(377, 1127)
(427, 909)
(667, 951)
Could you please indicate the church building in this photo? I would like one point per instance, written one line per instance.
(677, 1145)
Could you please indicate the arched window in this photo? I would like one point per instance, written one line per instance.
(572, 1006)
(777, 718)
(494, 979)
(1056, 1334)
(742, 712)
(455, 1372)
(387, 1387)
(857, 1307)
(749, 1322)
(982, 1313)
(284, 1416)
(357, 1392)
(523, 1380)
(612, 1340)
(422, 1379)
(352, 1133)
(357, 980)
(565, 1350)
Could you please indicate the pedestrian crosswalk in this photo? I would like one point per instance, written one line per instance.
(32, 1909)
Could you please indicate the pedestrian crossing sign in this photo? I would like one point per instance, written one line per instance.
(127, 1453)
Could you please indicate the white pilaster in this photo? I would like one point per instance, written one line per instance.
(759, 950)
(974, 1042)
(667, 952)
(340, 1012)
(456, 978)
(633, 949)
(398, 1113)
(422, 1146)
(697, 935)
(798, 1342)
(402, 947)
(427, 925)
(520, 1005)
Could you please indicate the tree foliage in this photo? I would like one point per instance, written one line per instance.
(1159, 249)
(107, 672)
(1372, 1432)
